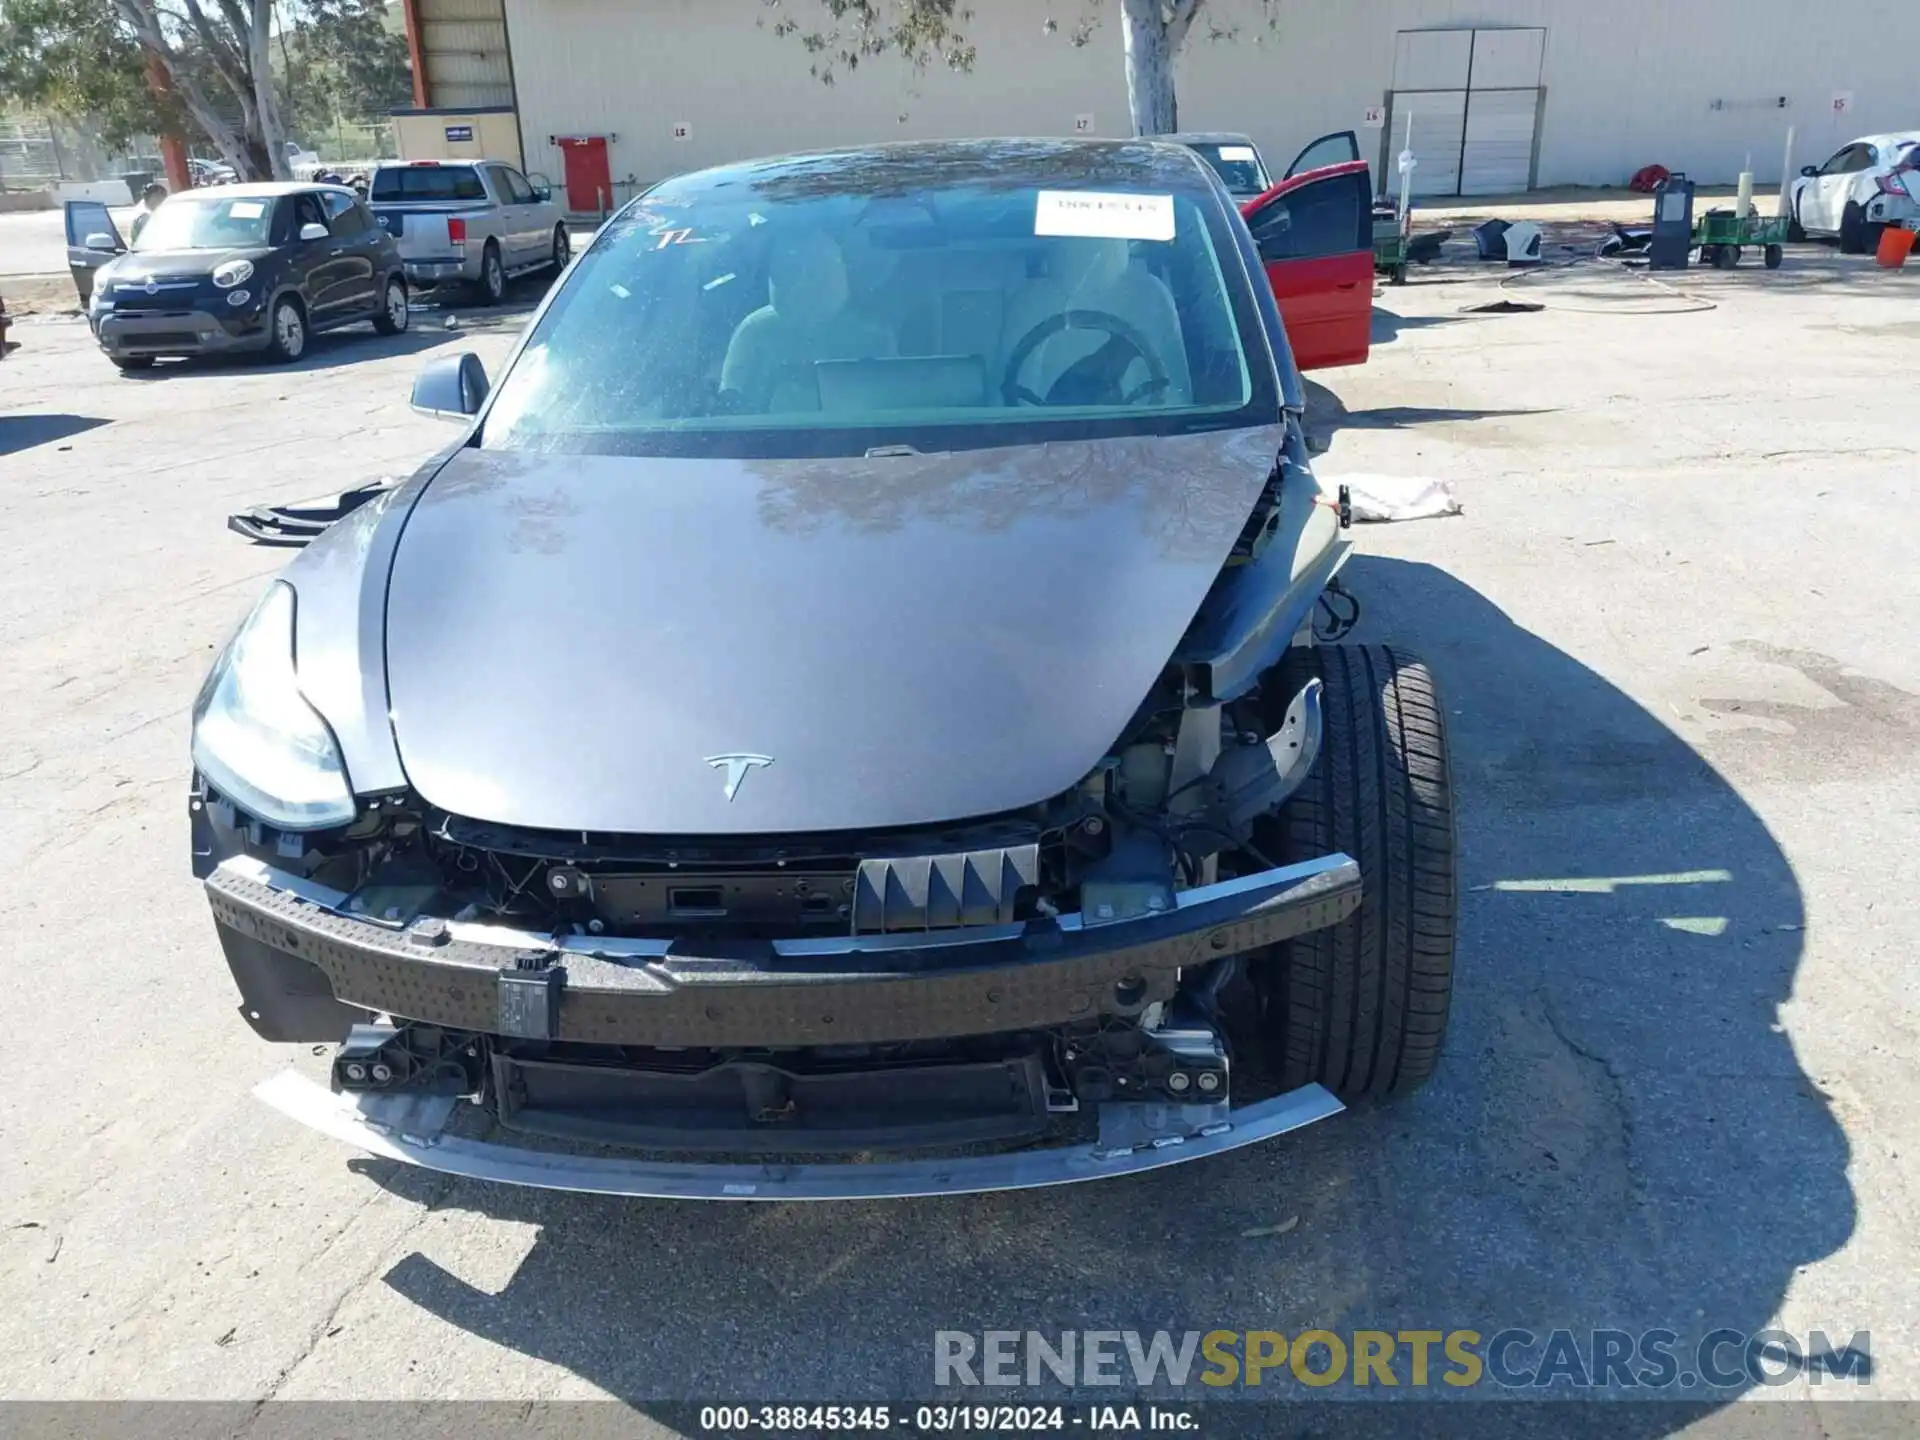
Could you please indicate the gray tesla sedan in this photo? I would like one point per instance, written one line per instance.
(858, 711)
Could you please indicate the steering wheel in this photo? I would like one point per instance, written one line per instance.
(1121, 330)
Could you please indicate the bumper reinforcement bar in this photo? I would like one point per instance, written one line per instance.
(857, 989)
(412, 1131)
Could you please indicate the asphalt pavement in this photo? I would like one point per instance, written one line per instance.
(1675, 633)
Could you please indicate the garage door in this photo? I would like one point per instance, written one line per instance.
(1473, 97)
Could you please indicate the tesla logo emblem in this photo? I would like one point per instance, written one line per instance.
(737, 767)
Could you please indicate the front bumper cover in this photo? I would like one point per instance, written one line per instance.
(291, 944)
(181, 332)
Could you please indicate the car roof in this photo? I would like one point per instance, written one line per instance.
(1898, 137)
(1016, 163)
(254, 190)
(1208, 137)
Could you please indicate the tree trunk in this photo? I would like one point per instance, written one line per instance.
(144, 22)
(1149, 51)
(260, 61)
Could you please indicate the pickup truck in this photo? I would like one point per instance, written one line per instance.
(476, 223)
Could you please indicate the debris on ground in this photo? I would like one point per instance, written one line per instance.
(1380, 498)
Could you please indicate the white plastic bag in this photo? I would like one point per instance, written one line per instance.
(1379, 498)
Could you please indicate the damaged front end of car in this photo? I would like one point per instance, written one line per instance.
(1025, 999)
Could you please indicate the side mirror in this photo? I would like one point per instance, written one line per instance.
(312, 231)
(452, 387)
(101, 240)
(1809, 170)
(543, 193)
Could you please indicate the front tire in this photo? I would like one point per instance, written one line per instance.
(1361, 1008)
(1795, 231)
(287, 330)
(562, 248)
(392, 316)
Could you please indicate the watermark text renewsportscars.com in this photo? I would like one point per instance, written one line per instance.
(1510, 1359)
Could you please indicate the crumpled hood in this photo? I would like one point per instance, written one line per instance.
(572, 642)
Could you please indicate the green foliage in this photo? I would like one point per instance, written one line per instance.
(74, 59)
(923, 32)
(342, 59)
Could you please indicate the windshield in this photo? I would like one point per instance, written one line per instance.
(427, 182)
(188, 223)
(732, 320)
(1238, 165)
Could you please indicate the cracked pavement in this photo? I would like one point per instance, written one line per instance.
(1673, 629)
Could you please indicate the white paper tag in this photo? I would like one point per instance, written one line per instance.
(1102, 215)
(1237, 152)
(246, 209)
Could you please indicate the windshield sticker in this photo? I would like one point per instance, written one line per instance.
(1103, 216)
(621, 291)
(246, 209)
(683, 236)
(718, 281)
(1237, 152)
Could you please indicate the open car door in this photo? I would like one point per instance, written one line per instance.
(1315, 234)
(92, 240)
(1339, 148)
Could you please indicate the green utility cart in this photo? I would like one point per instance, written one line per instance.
(1390, 246)
(1721, 236)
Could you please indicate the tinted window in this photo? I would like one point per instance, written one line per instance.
(517, 187)
(1325, 217)
(426, 182)
(801, 321)
(1334, 149)
(347, 218)
(307, 210)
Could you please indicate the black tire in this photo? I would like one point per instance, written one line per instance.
(1725, 257)
(1853, 230)
(1773, 255)
(491, 288)
(132, 362)
(391, 317)
(1795, 232)
(1361, 1008)
(1870, 237)
(286, 341)
(562, 248)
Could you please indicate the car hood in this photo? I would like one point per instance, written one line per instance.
(574, 643)
(179, 264)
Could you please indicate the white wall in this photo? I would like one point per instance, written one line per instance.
(1629, 82)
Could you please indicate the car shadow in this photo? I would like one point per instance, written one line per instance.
(24, 432)
(1327, 413)
(1387, 325)
(1620, 1135)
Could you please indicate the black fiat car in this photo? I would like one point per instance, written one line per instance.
(239, 267)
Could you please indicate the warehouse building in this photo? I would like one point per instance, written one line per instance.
(604, 96)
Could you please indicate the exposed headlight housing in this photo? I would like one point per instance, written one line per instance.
(234, 272)
(255, 737)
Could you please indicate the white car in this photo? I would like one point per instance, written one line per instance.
(1867, 185)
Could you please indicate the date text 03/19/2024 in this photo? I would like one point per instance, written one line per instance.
(945, 1419)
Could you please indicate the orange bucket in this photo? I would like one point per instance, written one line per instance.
(1895, 243)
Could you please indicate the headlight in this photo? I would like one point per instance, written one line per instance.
(234, 272)
(255, 737)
